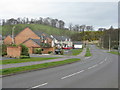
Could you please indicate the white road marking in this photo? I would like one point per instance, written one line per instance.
(72, 74)
(93, 66)
(105, 58)
(40, 85)
(101, 62)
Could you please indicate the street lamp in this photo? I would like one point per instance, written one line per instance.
(109, 42)
(13, 34)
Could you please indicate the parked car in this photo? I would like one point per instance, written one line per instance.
(67, 48)
(58, 51)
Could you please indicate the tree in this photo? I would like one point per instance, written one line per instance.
(70, 26)
(24, 50)
(61, 24)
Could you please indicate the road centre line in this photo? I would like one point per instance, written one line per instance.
(72, 74)
(93, 66)
(105, 58)
(101, 62)
(39, 85)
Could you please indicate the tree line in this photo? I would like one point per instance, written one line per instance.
(110, 38)
(87, 35)
(47, 21)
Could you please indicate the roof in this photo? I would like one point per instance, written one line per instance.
(60, 38)
(35, 40)
(77, 42)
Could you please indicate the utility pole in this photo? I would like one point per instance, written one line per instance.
(13, 34)
(111, 28)
(119, 40)
(109, 42)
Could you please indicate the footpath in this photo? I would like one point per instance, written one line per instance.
(81, 56)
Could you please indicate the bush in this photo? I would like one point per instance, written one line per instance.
(62, 52)
(4, 53)
(45, 45)
(24, 50)
(23, 56)
(37, 51)
(4, 49)
(49, 52)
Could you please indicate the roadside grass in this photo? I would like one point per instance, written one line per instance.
(114, 52)
(76, 51)
(35, 67)
(88, 53)
(31, 59)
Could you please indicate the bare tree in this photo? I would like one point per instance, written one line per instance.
(70, 26)
(61, 24)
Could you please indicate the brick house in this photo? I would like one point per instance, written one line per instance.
(32, 39)
(8, 40)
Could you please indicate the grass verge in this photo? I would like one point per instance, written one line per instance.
(31, 59)
(88, 53)
(14, 70)
(76, 51)
(114, 52)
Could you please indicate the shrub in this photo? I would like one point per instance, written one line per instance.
(4, 49)
(45, 45)
(4, 53)
(62, 52)
(24, 50)
(14, 45)
(37, 51)
(49, 52)
(23, 56)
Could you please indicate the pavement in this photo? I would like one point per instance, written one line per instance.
(98, 71)
(41, 62)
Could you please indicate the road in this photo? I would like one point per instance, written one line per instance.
(98, 71)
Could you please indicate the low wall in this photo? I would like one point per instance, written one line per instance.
(14, 51)
(46, 50)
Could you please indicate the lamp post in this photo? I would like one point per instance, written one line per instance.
(13, 34)
(109, 42)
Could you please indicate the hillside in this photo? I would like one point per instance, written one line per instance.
(7, 29)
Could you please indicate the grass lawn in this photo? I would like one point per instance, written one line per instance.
(113, 52)
(88, 53)
(76, 51)
(31, 59)
(38, 66)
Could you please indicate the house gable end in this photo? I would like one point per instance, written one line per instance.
(31, 43)
(24, 35)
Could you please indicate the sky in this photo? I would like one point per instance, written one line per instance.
(98, 13)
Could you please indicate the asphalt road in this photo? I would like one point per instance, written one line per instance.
(98, 71)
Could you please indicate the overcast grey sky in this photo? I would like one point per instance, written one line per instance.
(98, 14)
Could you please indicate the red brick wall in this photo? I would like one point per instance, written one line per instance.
(13, 51)
(30, 50)
(7, 40)
(24, 35)
(46, 50)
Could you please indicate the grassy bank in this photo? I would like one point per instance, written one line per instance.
(38, 66)
(7, 29)
(31, 59)
(88, 53)
(76, 51)
(114, 52)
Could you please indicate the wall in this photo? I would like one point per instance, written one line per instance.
(14, 51)
(48, 49)
(30, 50)
(24, 35)
(7, 40)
